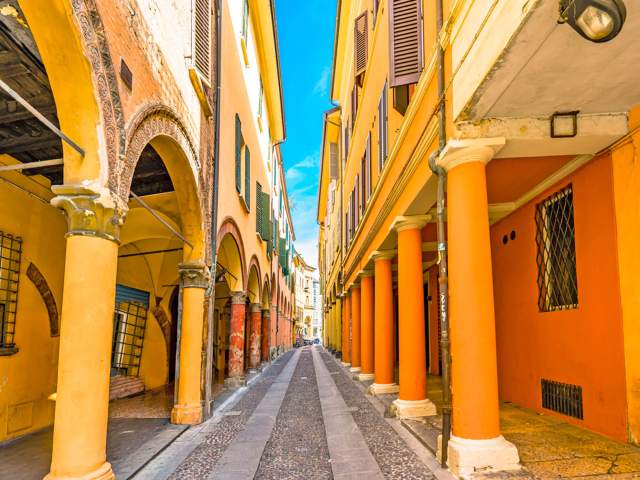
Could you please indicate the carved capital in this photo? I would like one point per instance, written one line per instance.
(255, 308)
(266, 313)
(238, 298)
(194, 275)
(89, 212)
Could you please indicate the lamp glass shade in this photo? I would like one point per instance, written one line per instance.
(595, 23)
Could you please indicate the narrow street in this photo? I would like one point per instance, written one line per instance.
(303, 418)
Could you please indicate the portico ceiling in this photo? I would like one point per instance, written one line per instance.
(547, 67)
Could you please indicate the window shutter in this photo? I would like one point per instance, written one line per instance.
(247, 178)
(333, 161)
(383, 146)
(259, 212)
(354, 105)
(346, 141)
(361, 43)
(245, 19)
(266, 216)
(202, 37)
(405, 36)
(238, 154)
(376, 5)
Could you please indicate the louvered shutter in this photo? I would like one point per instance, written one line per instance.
(238, 154)
(247, 177)
(368, 166)
(333, 161)
(354, 106)
(346, 141)
(266, 217)
(376, 5)
(202, 37)
(361, 43)
(405, 36)
(259, 212)
(383, 146)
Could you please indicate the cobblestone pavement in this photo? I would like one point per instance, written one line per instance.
(395, 459)
(201, 462)
(298, 447)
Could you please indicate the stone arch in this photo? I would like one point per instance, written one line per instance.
(72, 43)
(266, 292)
(231, 254)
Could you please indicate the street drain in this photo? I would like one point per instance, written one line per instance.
(303, 378)
(232, 413)
(352, 409)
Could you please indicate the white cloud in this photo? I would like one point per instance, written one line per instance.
(322, 85)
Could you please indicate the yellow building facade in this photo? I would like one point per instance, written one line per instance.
(156, 232)
(471, 106)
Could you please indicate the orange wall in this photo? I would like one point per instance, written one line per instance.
(582, 346)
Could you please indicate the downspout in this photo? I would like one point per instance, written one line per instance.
(211, 293)
(443, 276)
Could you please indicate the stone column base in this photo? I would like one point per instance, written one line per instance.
(364, 377)
(383, 388)
(466, 457)
(235, 382)
(413, 408)
(103, 472)
(354, 369)
(186, 414)
(345, 364)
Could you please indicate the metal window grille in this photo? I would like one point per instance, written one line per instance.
(556, 257)
(130, 319)
(10, 255)
(562, 398)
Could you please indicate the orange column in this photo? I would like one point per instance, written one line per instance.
(412, 401)
(384, 340)
(266, 321)
(355, 329)
(366, 327)
(476, 443)
(346, 330)
(255, 317)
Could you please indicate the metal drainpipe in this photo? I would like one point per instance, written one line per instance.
(214, 198)
(443, 275)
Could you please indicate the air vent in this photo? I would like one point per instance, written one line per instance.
(562, 398)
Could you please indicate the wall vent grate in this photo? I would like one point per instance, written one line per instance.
(563, 398)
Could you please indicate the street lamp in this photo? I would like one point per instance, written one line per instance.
(596, 20)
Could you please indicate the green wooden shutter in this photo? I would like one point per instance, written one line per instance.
(238, 154)
(259, 211)
(247, 178)
(266, 222)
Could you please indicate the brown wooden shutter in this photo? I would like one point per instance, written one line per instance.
(202, 37)
(333, 161)
(405, 37)
(354, 105)
(368, 166)
(361, 43)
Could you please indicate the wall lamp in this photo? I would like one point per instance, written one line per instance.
(596, 20)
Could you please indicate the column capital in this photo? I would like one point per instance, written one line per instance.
(238, 298)
(458, 152)
(255, 308)
(410, 222)
(194, 275)
(89, 212)
(383, 255)
(266, 313)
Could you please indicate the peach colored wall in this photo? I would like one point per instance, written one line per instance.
(583, 346)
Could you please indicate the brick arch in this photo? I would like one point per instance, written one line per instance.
(35, 275)
(253, 263)
(230, 227)
(152, 121)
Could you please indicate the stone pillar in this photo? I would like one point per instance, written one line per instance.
(88, 303)
(476, 443)
(412, 400)
(366, 327)
(346, 330)
(332, 326)
(338, 325)
(266, 322)
(195, 280)
(384, 324)
(355, 329)
(236, 341)
(255, 318)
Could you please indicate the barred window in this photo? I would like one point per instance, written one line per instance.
(556, 257)
(130, 319)
(10, 254)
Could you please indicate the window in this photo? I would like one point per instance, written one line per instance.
(243, 166)
(346, 141)
(333, 161)
(354, 106)
(376, 5)
(383, 138)
(10, 256)
(556, 258)
(361, 44)
(263, 219)
(202, 37)
(130, 319)
(245, 20)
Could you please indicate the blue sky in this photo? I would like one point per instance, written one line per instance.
(305, 32)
